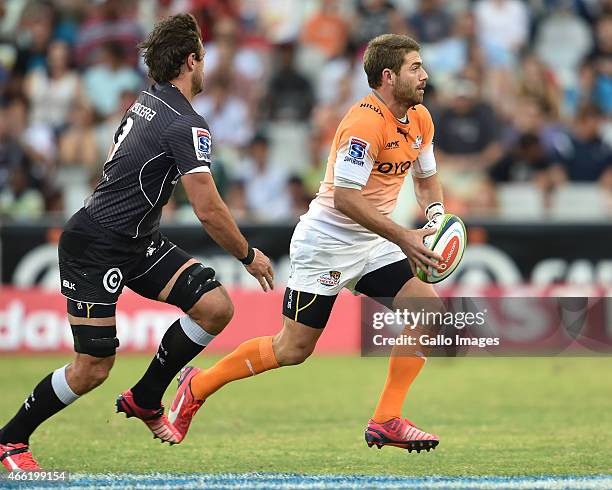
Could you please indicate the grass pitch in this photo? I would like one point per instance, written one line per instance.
(500, 416)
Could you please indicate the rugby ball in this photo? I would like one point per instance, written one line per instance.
(449, 242)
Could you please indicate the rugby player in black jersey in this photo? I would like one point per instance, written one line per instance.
(114, 241)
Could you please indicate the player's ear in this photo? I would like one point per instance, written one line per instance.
(387, 74)
(190, 62)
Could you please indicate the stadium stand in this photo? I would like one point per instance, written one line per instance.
(68, 70)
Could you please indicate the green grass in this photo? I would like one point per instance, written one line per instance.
(504, 416)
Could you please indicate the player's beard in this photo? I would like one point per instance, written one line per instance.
(197, 83)
(405, 94)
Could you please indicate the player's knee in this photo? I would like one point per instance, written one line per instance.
(214, 312)
(215, 319)
(87, 373)
(99, 374)
(292, 355)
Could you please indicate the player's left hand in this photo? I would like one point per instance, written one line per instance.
(261, 269)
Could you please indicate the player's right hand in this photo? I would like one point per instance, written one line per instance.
(418, 254)
(261, 269)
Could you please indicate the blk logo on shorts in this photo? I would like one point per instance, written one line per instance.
(112, 280)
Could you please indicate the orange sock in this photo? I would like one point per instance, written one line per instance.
(250, 358)
(402, 372)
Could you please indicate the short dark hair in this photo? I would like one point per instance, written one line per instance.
(386, 51)
(260, 139)
(168, 44)
(589, 110)
(115, 50)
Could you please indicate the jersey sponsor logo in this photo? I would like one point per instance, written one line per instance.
(372, 107)
(357, 151)
(393, 167)
(418, 141)
(68, 285)
(330, 279)
(392, 145)
(202, 143)
(112, 280)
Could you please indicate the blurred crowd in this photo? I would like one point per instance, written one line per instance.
(520, 92)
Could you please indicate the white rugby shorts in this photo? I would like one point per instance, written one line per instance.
(321, 264)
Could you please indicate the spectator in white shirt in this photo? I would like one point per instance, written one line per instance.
(227, 114)
(266, 184)
(502, 27)
(53, 90)
(562, 41)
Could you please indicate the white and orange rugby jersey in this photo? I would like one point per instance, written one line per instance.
(372, 150)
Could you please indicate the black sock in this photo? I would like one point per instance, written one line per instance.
(38, 407)
(175, 350)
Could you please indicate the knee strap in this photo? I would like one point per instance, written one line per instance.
(95, 341)
(191, 285)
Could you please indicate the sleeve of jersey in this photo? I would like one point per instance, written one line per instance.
(425, 164)
(360, 143)
(189, 142)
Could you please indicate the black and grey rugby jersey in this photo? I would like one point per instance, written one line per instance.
(159, 139)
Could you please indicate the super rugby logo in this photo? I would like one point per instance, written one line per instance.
(357, 151)
(202, 143)
(112, 280)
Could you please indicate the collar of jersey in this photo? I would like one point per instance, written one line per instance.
(167, 85)
(388, 111)
(160, 87)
